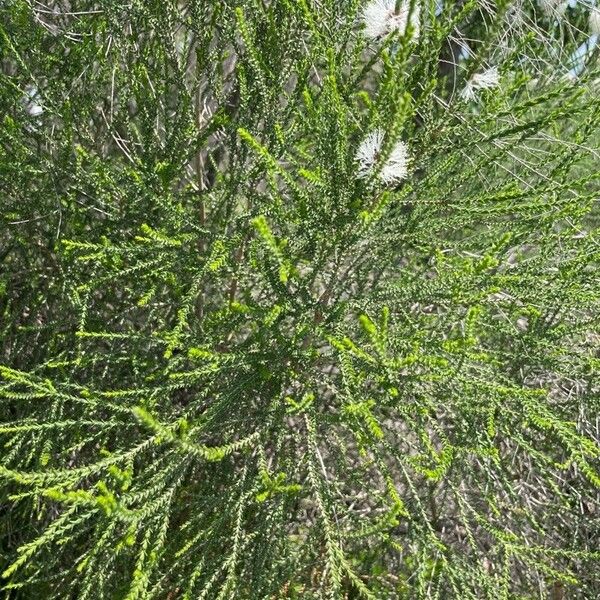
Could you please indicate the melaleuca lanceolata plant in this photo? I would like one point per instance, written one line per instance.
(299, 299)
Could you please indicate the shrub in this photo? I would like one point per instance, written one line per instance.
(300, 299)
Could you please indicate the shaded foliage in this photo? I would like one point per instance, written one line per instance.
(232, 368)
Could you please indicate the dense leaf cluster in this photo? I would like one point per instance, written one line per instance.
(232, 368)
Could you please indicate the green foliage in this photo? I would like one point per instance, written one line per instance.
(237, 360)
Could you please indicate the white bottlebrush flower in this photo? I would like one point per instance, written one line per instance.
(381, 18)
(368, 155)
(481, 81)
(594, 21)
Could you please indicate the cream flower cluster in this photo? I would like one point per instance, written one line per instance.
(380, 18)
(490, 78)
(369, 153)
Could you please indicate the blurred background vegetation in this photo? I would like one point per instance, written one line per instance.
(231, 368)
